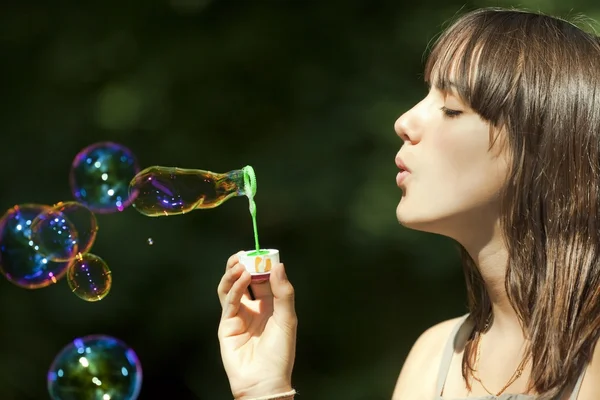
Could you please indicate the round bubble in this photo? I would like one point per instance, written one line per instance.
(89, 277)
(100, 176)
(95, 367)
(20, 261)
(54, 236)
(84, 225)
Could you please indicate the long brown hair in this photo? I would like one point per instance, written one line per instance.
(537, 78)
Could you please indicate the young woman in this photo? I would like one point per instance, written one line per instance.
(503, 156)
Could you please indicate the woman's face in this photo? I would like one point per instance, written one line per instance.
(454, 173)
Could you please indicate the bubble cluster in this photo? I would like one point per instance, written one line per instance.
(20, 261)
(95, 367)
(100, 176)
(89, 277)
(40, 244)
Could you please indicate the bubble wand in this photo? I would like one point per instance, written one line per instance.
(250, 189)
(259, 261)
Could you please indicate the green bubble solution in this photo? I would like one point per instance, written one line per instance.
(250, 186)
(165, 191)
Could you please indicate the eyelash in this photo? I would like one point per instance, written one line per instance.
(450, 113)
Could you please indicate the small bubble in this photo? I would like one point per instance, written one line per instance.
(150, 241)
(89, 277)
(100, 176)
(95, 367)
(79, 228)
(54, 236)
(20, 261)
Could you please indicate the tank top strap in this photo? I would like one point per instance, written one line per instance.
(447, 356)
(577, 386)
(449, 352)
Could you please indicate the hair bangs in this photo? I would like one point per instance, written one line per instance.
(480, 60)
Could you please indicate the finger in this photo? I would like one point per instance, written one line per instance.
(283, 297)
(231, 261)
(234, 297)
(227, 281)
(261, 289)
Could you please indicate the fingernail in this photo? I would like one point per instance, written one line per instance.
(235, 269)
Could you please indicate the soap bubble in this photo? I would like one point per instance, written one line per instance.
(80, 218)
(20, 261)
(95, 367)
(54, 236)
(89, 277)
(100, 176)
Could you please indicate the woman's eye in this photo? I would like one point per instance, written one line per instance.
(450, 113)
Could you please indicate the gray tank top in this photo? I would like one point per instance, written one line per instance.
(445, 367)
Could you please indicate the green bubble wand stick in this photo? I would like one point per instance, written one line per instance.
(250, 190)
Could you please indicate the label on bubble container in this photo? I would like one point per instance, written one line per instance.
(259, 263)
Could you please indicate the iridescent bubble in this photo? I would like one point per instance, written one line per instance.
(20, 261)
(100, 176)
(89, 277)
(164, 191)
(95, 367)
(82, 220)
(54, 236)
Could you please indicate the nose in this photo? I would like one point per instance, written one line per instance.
(407, 126)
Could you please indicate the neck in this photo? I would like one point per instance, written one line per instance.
(491, 258)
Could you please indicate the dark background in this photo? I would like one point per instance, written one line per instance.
(307, 93)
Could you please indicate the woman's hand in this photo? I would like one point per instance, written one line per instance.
(257, 337)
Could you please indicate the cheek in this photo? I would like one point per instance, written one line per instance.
(463, 170)
(476, 182)
(447, 161)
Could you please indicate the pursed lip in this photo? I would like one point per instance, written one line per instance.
(400, 164)
(403, 174)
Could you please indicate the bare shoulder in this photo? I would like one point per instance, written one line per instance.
(418, 375)
(591, 381)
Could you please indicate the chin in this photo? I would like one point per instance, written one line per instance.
(414, 224)
(406, 218)
(417, 220)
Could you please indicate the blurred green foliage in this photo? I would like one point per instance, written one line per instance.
(306, 92)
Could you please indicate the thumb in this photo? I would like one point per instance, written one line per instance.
(283, 296)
